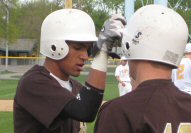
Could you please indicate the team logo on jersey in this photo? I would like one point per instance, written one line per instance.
(78, 96)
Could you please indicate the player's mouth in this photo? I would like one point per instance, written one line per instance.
(80, 67)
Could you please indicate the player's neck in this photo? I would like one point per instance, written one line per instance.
(53, 68)
(151, 72)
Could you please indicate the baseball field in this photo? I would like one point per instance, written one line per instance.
(7, 92)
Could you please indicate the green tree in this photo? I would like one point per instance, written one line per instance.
(31, 17)
(8, 16)
(91, 7)
(183, 7)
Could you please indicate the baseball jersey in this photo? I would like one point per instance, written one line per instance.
(155, 106)
(38, 102)
(122, 72)
(182, 76)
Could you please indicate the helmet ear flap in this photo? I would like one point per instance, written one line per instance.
(55, 50)
(125, 49)
(126, 44)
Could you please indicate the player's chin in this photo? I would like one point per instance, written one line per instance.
(76, 73)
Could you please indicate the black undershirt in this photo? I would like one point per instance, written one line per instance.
(85, 106)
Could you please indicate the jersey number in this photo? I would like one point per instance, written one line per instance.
(182, 128)
(181, 72)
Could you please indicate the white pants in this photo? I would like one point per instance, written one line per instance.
(124, 89)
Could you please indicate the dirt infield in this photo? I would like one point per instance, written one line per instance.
(6, 105)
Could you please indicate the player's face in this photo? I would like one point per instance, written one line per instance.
(124, 62)
(74, 62)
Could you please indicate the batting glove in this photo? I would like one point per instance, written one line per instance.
(111, 33)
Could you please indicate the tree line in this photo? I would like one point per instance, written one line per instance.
(23, 19)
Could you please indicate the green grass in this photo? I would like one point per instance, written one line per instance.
(8, 88)
(6, 122)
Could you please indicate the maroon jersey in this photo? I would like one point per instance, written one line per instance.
(156, 106)
(38, 102)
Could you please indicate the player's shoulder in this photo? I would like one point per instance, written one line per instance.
(36, 74)
(117, 103)
(119, 66)
(185, 60)
(109, 105)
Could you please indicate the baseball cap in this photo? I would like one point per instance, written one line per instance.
(123, 58)
(188, 48)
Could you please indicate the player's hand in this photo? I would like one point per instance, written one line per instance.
(123, 84)
(111, 33)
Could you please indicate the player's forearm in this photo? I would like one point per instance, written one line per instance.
(97, 75)
(97, 79)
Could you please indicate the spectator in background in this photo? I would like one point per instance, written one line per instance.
(182, 75)
(122, 75)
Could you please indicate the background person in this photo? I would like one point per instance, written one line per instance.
(182, 76)
(48, 100)
(122, 75)
(154, 44)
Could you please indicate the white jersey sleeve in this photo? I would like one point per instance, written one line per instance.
(182, 76)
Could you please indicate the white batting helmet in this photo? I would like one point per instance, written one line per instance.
(65, 25)
(155, 33)
(123, 58)
(188, 48)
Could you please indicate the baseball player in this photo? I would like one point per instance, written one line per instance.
(48, 100)
(154, 44)
(182, 76)
(122, 75)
